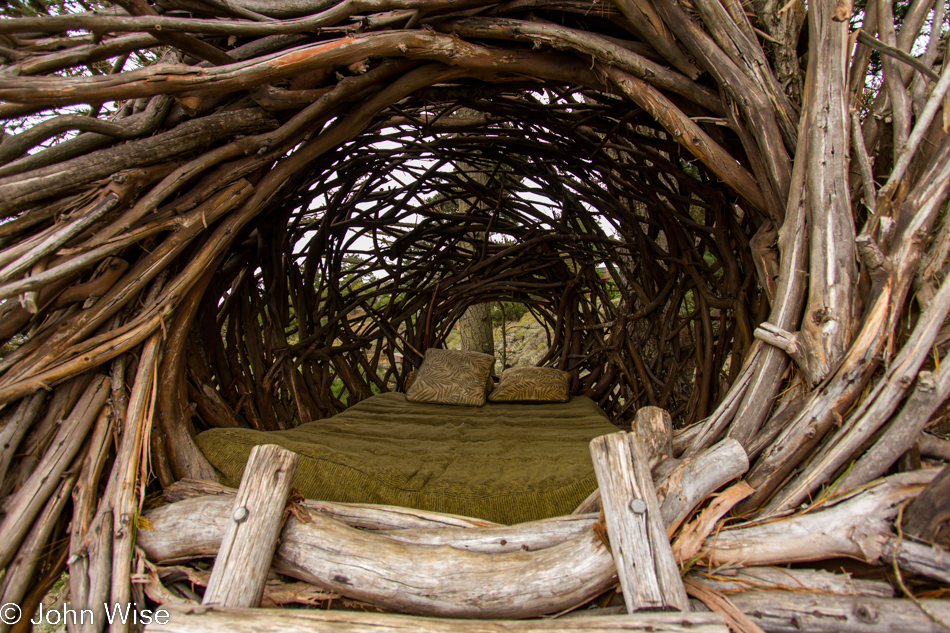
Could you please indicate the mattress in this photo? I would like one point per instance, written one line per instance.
(506, 463)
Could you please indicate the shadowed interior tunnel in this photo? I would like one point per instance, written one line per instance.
(374, 250)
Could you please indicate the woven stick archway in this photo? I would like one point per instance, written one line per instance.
(198, 254)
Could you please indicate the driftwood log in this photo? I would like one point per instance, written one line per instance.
(408, 577)
(802, 612)
(792, 579)
(654, 428)
(857, 525)
(374, 517)
(204, 619)
(492, 581)
(641, 550)
(693, 479)
(930, 509)
(774, 611)
(244, 556)
(682, 484)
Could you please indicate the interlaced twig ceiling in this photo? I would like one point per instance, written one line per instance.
(403, 228)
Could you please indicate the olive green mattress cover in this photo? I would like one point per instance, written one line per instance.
(507, 463)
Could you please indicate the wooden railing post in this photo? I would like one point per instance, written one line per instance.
(240, 569)
(654, 427)
(646, 568)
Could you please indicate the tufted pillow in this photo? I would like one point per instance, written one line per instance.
(449, 376)
(532, 384)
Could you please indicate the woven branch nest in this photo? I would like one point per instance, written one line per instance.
(255, 214)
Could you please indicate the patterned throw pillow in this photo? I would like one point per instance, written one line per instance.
(449, 376)
(411, 378)
(532, 384)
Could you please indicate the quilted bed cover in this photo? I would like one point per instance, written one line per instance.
(507, 463)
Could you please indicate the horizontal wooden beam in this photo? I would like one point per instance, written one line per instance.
(217, 620)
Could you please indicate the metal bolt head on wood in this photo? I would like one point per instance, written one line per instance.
(244, 557)
(648, 573)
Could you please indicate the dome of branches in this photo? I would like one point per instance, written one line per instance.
(574, 205)
(250, 213)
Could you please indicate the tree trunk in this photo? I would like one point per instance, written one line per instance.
(476, 329)
(475, 326)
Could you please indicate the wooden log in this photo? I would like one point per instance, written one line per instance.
(176, 431)
(424, 579)
(929, 509)
(758, 397)
(121, 495)
(930, 561)
(89, 570)
(792, 579)
(438, 580)
(30, 499)
(590, 504)
(651, 29)
(718, 602)
(277, 592)
(654, 428)
(801, 612)
(682, 484)
(934, 447)
(531, 536)
(244, 557)
(17, 581)
(705, 433)
(827, 328)
(61, 404)
(359, 515)
(684, 438)
(213, 620)
(645, 564)
(697, 477)
(691, 538)
(90, 577)
(856, 525)
(16, 427)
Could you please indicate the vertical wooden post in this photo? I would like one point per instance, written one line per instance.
(240, 569)
(654, 428)
(645, 565)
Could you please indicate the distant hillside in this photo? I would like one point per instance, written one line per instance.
(526, 343)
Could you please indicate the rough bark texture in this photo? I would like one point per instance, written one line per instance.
(200, 620)
(244, 557)
(644, 561)
(475, 328)
(426, 579)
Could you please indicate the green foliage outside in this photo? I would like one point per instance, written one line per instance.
(507, 311)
